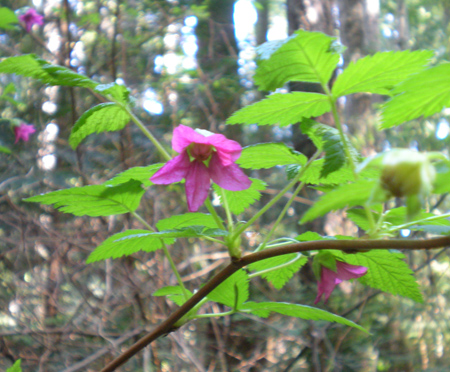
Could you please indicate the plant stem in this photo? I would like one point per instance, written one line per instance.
(227, 211)
(428, 219)
(262, 272)
(214, 214)
(168, 256)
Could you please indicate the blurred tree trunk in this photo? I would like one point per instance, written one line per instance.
(403, 24)
(262, 25)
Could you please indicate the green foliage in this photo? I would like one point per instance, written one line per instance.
(141, 174)
(174, 293)
(5, 150)
(290, 264)
(387, 271)
(97, 200)
(423, 94)
(186, 220)
(263, 310)
(313, 175)
(306, 57)
(233, 292)
(114, 92)
(268, 155)
(8, 19)
(282, 109)
(238, 201)
(105, 117)
(346, 195)
(380, 73)
(31, 66)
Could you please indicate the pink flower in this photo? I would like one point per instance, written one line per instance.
(330, 279)
(204, 156)
(23, 132)
(30, 18)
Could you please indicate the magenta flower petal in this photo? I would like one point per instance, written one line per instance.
(330, 279)
(173, 171)
(197, 185)
(230, 177)
(228, 150)
(30, 18)
(23, 132)
(183, 136)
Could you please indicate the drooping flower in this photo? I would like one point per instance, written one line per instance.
(23, 132)
(330, 279)
(30, 18)
(203, 156)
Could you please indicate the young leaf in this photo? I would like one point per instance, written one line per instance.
(238, 201)
(313, 175)
(115, 92)
(263, 309)
(31, 66)
(5, 150)
(97, 200)
(186, 220)
(423, 94)
(359, 218)
(346, 195)
(387, 271)
(8, 19)
(16, 366)
(141, 174)
(105, 117)
(233, 291)
(279, 277)
(268, 155)
(174, 293)
(307, 56)
(282, 109)
(309, 236)
(115, 246)
(381, 72)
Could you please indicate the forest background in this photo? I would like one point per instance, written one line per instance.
(191, 63)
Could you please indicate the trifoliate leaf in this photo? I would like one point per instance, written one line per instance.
(346, 195)
(282, 109)
(186, 220)
(233, 291)
(31, 66)
(115, 92)
(116, 246)
(8, 19)
(388, 272)
(238, 201)
(263, 309)
(268, 155)
(97, 200)
(306, 56)
(105, 117)
(423, 94)
(142, 174)
(290, 264)
(380, 73)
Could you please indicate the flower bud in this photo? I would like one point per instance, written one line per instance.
(407, 173)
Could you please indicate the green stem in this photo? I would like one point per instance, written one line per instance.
(213, 315)
(227, 211)
(429, 219)
(262, 272)
(168, 256)
(214, 214)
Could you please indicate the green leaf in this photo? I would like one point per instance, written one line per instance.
(115, 92)
(282, 109)
(423, 94)
(116, 246)
(8, 19)
(186, 220)
(5, 150)
(174, 293)
(380, 73)
(141, 174)
(311, 128)
(31, 66)
(265, 51)
(397, 217)
(263, 309)
(359, 218)
(309, 236)
(105, 117)
(431, 229)
(307, 56)
(347, 195)
(312, 175)
(97, 200)
(281, 276)
(238, 201)
(268, 155)
(442, 182)
(226, 292)
(388, 272)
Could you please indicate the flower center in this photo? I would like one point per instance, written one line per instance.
(200, 152)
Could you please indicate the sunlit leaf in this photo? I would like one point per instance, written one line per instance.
(268, 155)
(233, 291)
(142, 174)
(8, 19)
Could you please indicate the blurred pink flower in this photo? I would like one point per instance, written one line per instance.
(203, 156)
(23, 132)
(30, 18)
(330, 279)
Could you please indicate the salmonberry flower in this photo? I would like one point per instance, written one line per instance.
(30, 18)
(203, 156)
(23, 132)
(329, 279)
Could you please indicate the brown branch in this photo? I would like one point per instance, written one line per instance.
(348, 246)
